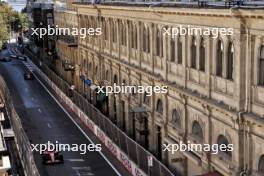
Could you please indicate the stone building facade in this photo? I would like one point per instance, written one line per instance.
(215, 83)
(66, 45)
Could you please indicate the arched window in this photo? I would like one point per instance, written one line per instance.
(219, 58)
(230, 61)
(261, 66)
(175, 118)
(223, 140)
(193, 53)
(146, 99)
(197, 130)
(159, 107)
(202, 55)
(172, 50)
(179, 50)
(261, 164)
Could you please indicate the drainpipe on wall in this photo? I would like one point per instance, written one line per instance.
(247, 96)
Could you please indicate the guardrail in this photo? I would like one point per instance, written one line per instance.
(133, 156)
(21, 139)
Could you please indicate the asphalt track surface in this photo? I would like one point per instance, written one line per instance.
(44, 120)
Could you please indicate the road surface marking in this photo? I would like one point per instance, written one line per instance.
(83, 171)
(39, 110)
(75, 160)
(75, 123)
(48, 125)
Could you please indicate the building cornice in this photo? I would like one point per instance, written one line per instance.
(240, 13)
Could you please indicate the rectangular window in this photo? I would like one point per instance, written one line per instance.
(106, 32)
(219, 59)
(261, 72)
(157, 45)
(132, 37)
(219, 64)
(172, 50)
(114, 33)
(230, 67)
(193, 56)
(261, 67)
(202, 58)
(179, 52)
(161, 44)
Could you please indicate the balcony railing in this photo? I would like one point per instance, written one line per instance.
(178, 3)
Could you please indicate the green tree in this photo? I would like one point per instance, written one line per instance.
(7, 12)
(11, 20)
(3, 31)
(22, 20)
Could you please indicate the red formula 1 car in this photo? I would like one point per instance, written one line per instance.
(52, 157)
